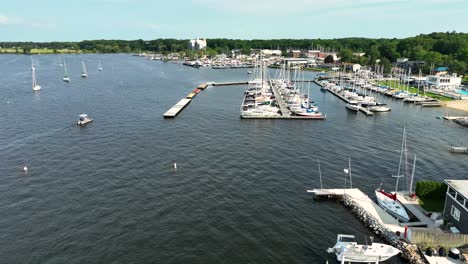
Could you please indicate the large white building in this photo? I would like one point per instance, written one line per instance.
(196, 44)
(443, 82)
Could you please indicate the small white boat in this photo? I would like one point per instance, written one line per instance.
(347, 250)
(249, 72)
(353, 106)
(379, 108)
(84, 119)
(100, 66)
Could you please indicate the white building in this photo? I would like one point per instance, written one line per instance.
(443, 82)
(196, 44)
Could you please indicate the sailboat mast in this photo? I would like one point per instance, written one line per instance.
(403, 149)
(350, 177)
(412, 176)
(320, 173)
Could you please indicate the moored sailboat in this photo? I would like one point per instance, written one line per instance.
(84, 73)
(388, 201)
(35, 87)
(66, 78)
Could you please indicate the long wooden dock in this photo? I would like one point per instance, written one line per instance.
(175, 110)
(362, 109)
(229, 83)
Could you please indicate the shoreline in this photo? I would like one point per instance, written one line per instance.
(457, 104)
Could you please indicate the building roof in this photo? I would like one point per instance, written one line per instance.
(441, 69)
(461, 186)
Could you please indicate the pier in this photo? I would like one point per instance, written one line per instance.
(175, 110)
(364, 202)
(375, 218)
(281, 103)
(365, 110)
(179, 106)
(228, 83)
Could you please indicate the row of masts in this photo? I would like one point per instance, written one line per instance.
(66, 78)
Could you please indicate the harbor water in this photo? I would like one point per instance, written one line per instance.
(109, 193)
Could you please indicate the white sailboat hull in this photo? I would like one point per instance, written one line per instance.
(36, 88)
(392, 207)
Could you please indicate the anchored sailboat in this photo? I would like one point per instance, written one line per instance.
(65, 73)
(99, 66)
(35, 87)
(84, 73)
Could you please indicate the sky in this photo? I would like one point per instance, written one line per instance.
(64, 20)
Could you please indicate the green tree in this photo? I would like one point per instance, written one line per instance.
(346, 55)
(27, 49)
(329, 59)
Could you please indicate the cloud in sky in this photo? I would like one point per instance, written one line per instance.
(289, 7)
(7, 20)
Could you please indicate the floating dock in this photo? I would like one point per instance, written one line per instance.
(228, 83)
(175, 110)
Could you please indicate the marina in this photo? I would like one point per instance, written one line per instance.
(220, 193)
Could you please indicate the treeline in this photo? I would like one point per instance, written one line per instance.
(435, 49)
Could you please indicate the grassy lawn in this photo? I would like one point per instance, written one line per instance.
(317, 69)
(415, 90)
(432, 205)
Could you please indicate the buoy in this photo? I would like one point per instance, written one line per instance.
(25, 168)
(175, 166)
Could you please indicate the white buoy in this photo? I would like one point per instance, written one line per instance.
(25, 169)
(175, 166)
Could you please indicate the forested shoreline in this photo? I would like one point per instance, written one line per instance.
(435, 49)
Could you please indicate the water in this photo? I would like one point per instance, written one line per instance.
(109, 193)
(463, 92)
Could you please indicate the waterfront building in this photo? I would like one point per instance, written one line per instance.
(456, 205)
(443, 82)
(196, 44)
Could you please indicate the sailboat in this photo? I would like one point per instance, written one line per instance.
(84, 73)
(60, 62)
(99, 66)
(389, 201)
(32, 64)
(35, 87)
(65, 73)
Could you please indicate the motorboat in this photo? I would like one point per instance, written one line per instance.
(390, 203)
(353, 106)
(379, 108)
(347, 250)
(84, 119)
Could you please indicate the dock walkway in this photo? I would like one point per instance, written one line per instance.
(281, 103)
(366, 203)
(362, 109)
(414, 207)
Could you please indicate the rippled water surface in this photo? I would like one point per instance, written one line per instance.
(108, 193)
